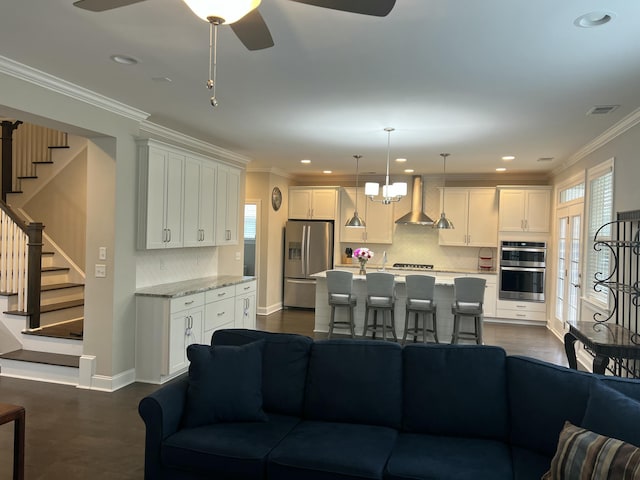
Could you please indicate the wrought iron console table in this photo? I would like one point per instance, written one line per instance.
(614, 336)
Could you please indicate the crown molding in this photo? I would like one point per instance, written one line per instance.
(55, 84)
(605, 137)
(270, 170)
(160, 132)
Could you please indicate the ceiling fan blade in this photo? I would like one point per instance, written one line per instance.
(253, 31)
(378, 8)
(103, 5)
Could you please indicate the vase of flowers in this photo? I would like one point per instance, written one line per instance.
(363, 255)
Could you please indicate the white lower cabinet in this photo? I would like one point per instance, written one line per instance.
(218, 311)
(245, 311)
(165, 326)
(524, 311)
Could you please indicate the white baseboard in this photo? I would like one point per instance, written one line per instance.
(276, 307)
(89, 380)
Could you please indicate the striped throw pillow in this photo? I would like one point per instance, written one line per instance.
(585, 455)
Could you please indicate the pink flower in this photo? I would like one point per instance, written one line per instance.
(363, 254)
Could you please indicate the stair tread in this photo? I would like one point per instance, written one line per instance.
(42, 162)
(54, 269)
(23, 177)
(61, 305)
(14, 191)
(59, 286)
(70, 330)
(47, 358)
(58, 146)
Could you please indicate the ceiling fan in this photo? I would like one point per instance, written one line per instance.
(250, 27)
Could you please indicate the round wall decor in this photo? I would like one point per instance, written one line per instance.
(276, 198)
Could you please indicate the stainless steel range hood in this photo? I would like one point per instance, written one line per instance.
(416, 216)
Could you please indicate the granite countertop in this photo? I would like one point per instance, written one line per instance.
(189, 287)
(377, 267)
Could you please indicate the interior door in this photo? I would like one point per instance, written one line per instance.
(568, 272)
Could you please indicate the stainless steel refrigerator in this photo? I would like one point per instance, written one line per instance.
(308, 250)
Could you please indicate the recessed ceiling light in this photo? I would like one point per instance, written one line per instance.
(593, 19)
(508, 157)
(401, 160)
(305, 161)
(501, 169)
(327, 171)
(409, 170)
(124, 59)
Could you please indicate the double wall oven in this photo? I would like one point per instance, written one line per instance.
(522, 270)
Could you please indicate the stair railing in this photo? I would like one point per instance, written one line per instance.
(21, 262)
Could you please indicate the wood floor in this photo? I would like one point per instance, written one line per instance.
(74, 434)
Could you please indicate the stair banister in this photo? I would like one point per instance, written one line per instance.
(29, 286)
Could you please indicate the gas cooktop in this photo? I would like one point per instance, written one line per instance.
(413, 265)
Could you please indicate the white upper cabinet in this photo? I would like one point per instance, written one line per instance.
(306, 203)
(161, 183)
(474, 213)
(199, 202)
(227, 200)
(525, 209)
(377, 217)
(185, 199)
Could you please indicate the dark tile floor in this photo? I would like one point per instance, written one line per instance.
(79, 434)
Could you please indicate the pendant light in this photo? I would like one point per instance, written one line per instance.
(356, 221)
(390, 193)
(443, 222)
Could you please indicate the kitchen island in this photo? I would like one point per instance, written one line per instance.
(443, 297)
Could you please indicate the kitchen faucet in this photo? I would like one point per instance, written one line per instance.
(384, 260)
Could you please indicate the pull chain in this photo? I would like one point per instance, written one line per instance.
(213, 59)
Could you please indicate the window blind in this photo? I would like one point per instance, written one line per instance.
(250, 221)
(600, 201)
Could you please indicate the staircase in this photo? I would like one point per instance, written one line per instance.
(51, 350)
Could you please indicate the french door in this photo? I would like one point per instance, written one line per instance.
(568, 272)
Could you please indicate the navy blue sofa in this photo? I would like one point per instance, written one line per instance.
(366, 409)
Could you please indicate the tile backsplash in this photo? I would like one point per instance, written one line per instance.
(155, 267)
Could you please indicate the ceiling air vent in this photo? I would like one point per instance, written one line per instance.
(602, 109)
(545, 159)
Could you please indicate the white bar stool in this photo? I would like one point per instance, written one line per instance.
(381, 298)
(339, 285)
(469, 299)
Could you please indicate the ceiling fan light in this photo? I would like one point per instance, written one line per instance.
(229, 10)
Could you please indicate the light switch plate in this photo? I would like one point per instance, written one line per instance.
(102, 253)
(101, 270)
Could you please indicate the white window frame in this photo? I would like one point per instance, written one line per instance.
(589, 295)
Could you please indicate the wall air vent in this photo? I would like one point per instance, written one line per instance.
(602, 109)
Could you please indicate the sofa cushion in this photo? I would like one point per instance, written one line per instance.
(327, 450)
(225, 384)
(226, 450)
(284, 366)
(586, 455)
(423, 456)
(529, 465)
(356, 381)
(542, 397)
(456, 390)
(612, 414)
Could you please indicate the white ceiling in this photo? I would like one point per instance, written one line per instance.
(478, 79)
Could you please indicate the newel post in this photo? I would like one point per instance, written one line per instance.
(34, 273)
(7, 156)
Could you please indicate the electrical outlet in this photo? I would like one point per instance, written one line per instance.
(162, 265)
(102, 253)
(237, 255)
(101, 270)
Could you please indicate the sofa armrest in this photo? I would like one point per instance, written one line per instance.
(161, 412)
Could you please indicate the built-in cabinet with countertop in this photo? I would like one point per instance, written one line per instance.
(377, 217)
(170, 317)
(313, 203)
(185, 199)
(474, 213)
(524, 209)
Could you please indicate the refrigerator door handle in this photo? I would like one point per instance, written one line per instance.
(303, 257)
(306, 273)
